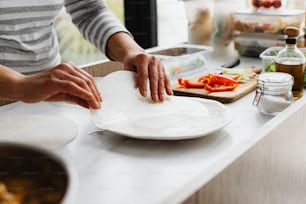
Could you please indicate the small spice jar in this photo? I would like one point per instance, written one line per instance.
(273, 92)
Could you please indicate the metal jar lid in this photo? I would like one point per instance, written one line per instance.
(275, 81)
(272, 83)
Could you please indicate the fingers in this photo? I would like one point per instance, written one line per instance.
(167, 84)
(70, 98)
(161, 83)
(142, 75)
(75, 85)
(154, 80)
(88, 79)
(77, 100)
(72, 92)
(152, 69)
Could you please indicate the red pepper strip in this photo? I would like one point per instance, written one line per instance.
(211, 80)
(224, 80)
(204, 79)
(180, 81)
(219, 82)
(193, 84)
(206, 76)
(210, 88)
(215, 79)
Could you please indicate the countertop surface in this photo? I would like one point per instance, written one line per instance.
(114, 169)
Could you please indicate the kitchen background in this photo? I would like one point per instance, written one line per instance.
(178, 21)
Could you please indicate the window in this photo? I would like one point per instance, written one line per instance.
(152, 22)
(73, 47)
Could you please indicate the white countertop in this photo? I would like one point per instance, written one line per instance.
(114, 169)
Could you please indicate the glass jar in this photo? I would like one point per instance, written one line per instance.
(273, 92)
(292, 60)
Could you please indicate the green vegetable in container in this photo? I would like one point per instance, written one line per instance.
(270, 66)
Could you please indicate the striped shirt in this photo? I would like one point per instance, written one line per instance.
(28, 41)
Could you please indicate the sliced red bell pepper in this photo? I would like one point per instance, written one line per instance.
(204, 79)
(180, 81)
(222, 80)
(210, 88)
(193, 84)
(189, 83)
(211, 82)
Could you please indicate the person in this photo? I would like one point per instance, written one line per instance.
(30, 64)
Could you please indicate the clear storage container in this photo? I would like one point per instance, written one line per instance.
(267, 21)
(183, 59)
(252, 45)
(268, 59)
(200, 14)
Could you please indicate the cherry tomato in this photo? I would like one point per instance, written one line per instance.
(267, 4)
(277, 4)
(257, 3)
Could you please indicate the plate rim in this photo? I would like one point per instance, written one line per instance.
(229, 119)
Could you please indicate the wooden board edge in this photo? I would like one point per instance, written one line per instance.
(222, 100)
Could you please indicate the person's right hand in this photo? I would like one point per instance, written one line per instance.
(65, 82)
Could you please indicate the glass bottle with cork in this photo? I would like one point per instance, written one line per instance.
(292, 61)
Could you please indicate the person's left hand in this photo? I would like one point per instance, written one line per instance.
(148, 67)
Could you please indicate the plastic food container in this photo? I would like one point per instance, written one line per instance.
(253, 45)
(199, 14)
(267, 21)
(268, 59)
(183, 59)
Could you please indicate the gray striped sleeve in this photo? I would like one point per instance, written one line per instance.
(94, 20)
(28, 40)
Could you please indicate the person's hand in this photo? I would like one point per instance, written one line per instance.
(65, 82)
(121, 47)
(148, 67)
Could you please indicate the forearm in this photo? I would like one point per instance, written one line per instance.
(10, 81)
(121, 46)
(65, 82)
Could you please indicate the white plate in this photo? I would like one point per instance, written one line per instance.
(172, 126)
(127, 113)
(39, 130)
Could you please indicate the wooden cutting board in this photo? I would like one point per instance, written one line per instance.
(224, 96)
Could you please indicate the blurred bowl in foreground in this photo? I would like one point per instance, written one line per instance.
(32, 175)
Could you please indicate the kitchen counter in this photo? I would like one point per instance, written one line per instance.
(113, 169)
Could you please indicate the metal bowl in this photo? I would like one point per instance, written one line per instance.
(33, 175)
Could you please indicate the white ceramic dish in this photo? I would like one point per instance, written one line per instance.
(173, 126)
(39, 130)
(127, 113)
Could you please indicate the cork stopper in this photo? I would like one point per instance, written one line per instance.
(292, 32)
